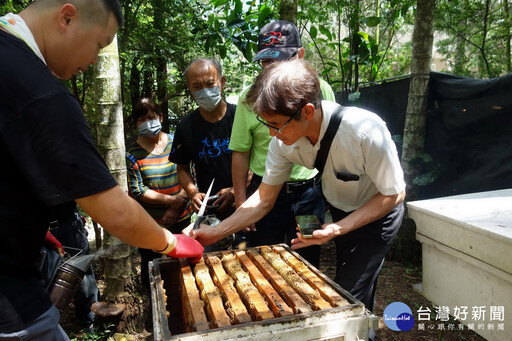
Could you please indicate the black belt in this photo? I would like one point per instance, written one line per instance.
(300, 186)
(289, 187)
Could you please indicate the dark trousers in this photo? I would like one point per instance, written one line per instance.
(279, 224)
(360, 253)
(147, 255)
(45, 327)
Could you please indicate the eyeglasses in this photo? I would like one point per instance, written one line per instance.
(279, 130)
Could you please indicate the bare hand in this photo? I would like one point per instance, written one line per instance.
(251, 228)
(197, 200)
(206, 234)
(225, 200)
(171, 215)
(320, 237)
(178, 204)
(250, 173)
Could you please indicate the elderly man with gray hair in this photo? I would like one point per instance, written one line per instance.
(202, 140)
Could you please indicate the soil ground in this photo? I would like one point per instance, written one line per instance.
(395, 284)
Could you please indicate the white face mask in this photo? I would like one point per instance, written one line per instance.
(208, 98)
(150, 128)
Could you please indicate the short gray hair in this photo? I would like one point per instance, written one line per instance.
(204, 61)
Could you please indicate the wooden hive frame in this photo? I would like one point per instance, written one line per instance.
(234, 292)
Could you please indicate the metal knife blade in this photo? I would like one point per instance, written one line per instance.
(200, 214)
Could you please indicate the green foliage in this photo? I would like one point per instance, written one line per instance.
(335, 48)
(96, 334)
(352, 38)
(13, 6)
(430, 170)
(398, 61)
(240, 24)
(350, 42)
(154, 32)
(473, 48)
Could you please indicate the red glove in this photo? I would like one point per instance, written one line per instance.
(187, 247)
(52, 242)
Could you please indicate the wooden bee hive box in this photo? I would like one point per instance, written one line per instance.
(263, 293)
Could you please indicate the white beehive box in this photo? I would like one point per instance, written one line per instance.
(467, 255)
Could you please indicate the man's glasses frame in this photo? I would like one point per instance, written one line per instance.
(279, 130)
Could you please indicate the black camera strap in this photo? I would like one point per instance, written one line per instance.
(325, 144)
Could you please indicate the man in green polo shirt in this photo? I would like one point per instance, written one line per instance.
(277, 41)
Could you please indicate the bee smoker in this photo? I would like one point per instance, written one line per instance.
(67, 279)
(211, 219)
(223, 244)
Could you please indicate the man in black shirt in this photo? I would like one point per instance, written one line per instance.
(202, 138)
(49, 158)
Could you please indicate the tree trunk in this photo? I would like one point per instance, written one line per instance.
(339, 49)
(416, 113)
(507, 36)
(350, 83)
(288, 10)
(354, 50)
(484, 62)
(460, 53)
(161, 67)
(134, 84)
(377, 29)
(147, 82)
(119, 257)
(161, 91)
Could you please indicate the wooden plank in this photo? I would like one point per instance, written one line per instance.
(211, 295)
(325, 290)
(276, 303)
(289, 295)
(193, 306)
(235, 307)
(310, 295)
(252, 298)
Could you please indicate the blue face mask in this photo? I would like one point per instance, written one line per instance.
(150, 128)
(208, 98)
